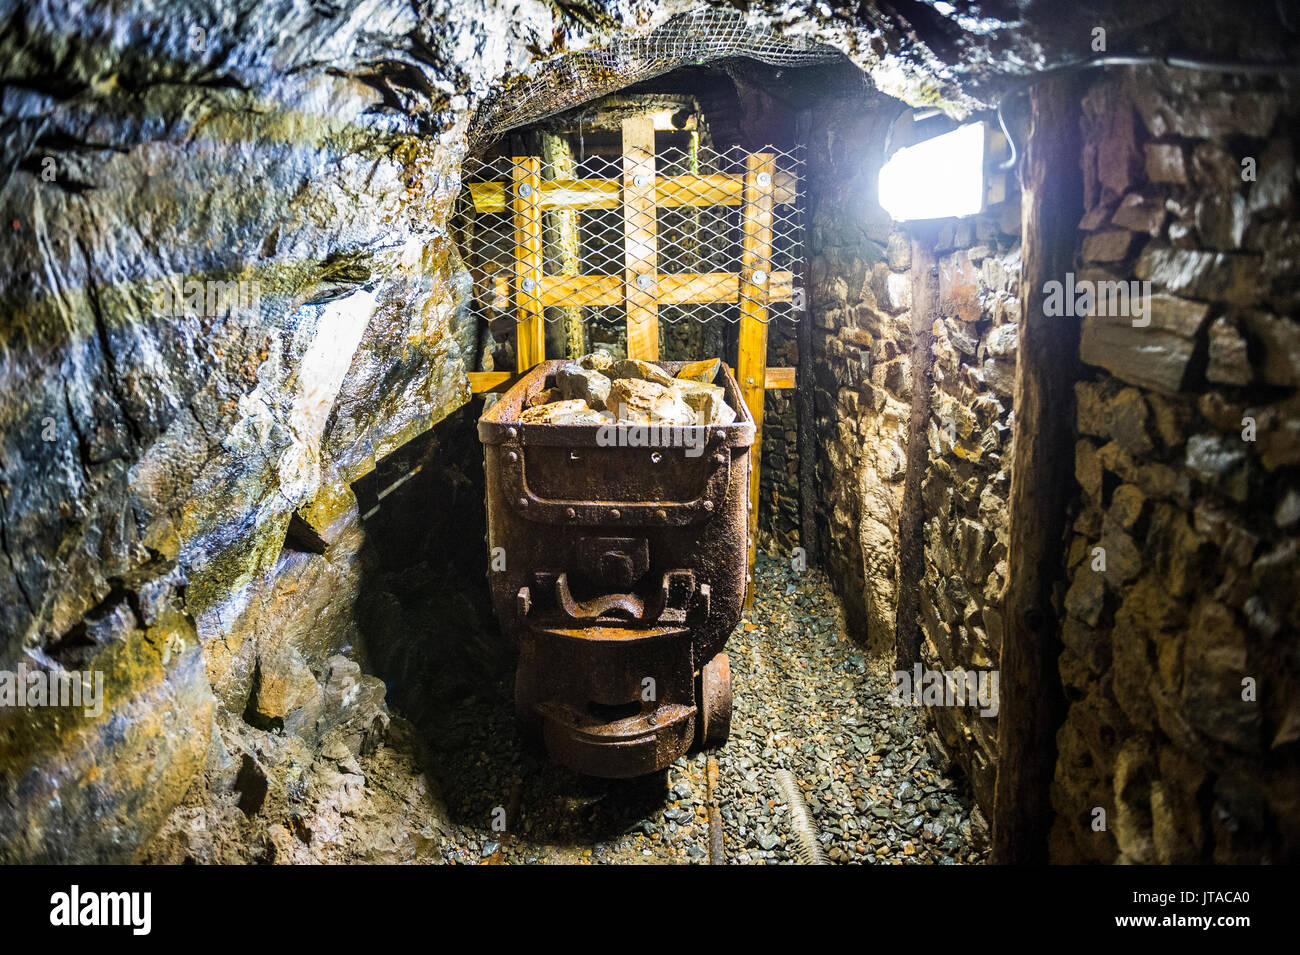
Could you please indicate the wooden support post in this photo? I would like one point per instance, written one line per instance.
(526, 191)
(566, 249)
(717, 189)
(640, 238)
(1031, 699)
(751, 357)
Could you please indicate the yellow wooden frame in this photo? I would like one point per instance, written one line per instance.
(640, 193)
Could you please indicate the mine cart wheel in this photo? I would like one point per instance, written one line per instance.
(713, 691)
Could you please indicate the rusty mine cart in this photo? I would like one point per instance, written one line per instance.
(620, 568)
(624, 575)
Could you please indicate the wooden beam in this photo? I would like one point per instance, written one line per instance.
(530, 340)
(720, 189)
(1032, 703)
(751, 357)
(481, 381)
(565, 248)
(779, 378)
(640, 238)
(582, 290)
(722, 287)
(674, 289)
(556, 194)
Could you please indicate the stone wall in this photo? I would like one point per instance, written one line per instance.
(1179, 641)
(860, 296)
(862, 307)
(967, 482)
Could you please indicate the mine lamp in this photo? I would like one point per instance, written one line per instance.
(938, 178)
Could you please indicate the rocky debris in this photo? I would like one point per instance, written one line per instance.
(282, 802)
(631, 391)
(345, 785)
(707, 401)
(703, 371)
(283, 682)
(598, 360)
(544, 397)
(646, 402)
(635, 369)
(573, 411)
(577, 381)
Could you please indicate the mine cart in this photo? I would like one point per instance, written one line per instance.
(619, 565)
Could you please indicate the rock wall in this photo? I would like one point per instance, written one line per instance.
(160, 429)
(864, 315)
(1179, 644)
(860, 295)
(966, 488)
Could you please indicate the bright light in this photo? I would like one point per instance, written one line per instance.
(938, 178)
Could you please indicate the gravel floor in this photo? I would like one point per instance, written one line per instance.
(806, 700)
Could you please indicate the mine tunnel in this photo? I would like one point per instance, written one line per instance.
(650, 433)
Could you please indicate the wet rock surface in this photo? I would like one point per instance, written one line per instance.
(806, 699)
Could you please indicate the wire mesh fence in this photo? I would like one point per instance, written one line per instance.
(586, 241)
(694, 38)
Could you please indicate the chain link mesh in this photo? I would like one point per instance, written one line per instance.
(693, 38)
(697, 224)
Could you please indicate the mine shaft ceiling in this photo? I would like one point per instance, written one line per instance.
(963, 54)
